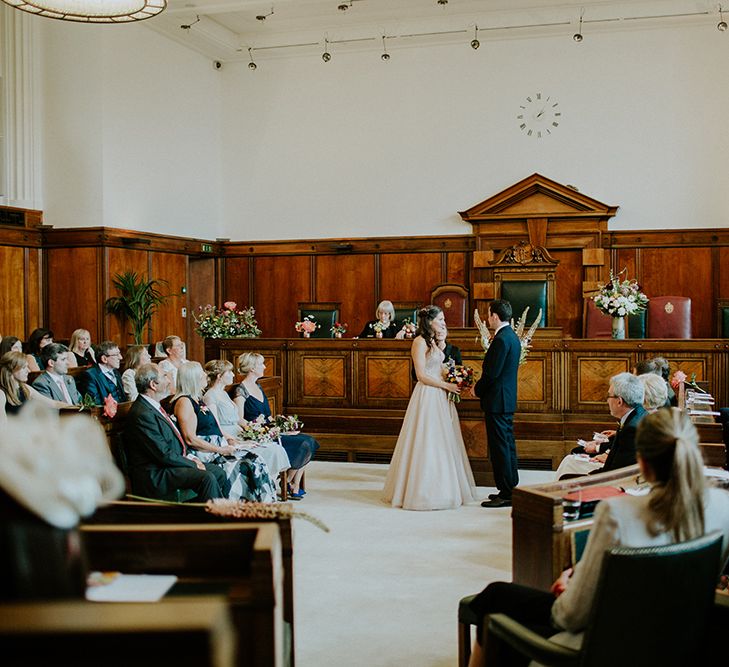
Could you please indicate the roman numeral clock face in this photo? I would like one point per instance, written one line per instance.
(539, 116)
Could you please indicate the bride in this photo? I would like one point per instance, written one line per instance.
(429, 468)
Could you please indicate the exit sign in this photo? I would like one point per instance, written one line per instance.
(206, 247)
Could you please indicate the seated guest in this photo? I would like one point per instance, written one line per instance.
(159, 463)
(36, 342)
(82, 354)
(664, 368)
(14, 390)
(55, 382)
(10, 344)
(679, 507)
(220, 375)
(385, 318)
(248, 475)
(575, 465)
(252, 402)
(136, 356)
(104, 379)
(175, 350)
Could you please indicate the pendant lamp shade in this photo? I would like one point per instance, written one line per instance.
(92, 11)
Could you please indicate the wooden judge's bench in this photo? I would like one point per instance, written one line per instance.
(352, 394)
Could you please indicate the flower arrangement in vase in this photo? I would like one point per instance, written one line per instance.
(307, 326)
(619, 298)
(409, 327)
(339, 329)
(226, 322)
(377, 327)
(524, 338)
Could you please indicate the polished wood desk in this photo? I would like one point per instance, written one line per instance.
(352, 393)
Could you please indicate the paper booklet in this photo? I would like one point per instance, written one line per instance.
(118, 587)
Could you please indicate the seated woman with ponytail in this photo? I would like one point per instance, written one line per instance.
(679, 507)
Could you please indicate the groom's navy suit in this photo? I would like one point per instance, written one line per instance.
(497, 390)
(157, 465)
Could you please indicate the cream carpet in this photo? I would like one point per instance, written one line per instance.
(382, 588)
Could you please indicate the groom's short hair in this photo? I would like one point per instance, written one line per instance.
(501, 308)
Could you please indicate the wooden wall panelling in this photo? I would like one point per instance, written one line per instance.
(625, 258)
(682, 272)
(320, 378)
(200, 291)
(236, 281)
(34, 296)
(384, 379)
(568, 297)
(169, 321)
(457, 268)
(722, 269)
(279, 283)
(13, 295)
(349, 280)
(411, 276)
(119, 260)
(73, 290)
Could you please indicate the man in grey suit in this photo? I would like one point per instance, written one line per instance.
(55, 382)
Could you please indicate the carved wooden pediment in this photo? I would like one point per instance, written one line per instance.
(524, 254)
(538, 196)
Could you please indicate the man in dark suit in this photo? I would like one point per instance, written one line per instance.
(497, 390)
(625, 400)
(159, 464)
(104, 379)
(55, 382)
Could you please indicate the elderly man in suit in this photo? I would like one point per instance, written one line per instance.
(159, 463)
(55, 382)
(497, 390)
(104, 379)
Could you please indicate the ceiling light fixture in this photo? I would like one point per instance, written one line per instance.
(344, 6)
(385, 55)
(578, 35)
(263, 17)
(474, 42)
(187, 26)
(251, 65)
(442, 2)
(721, 26)
(326, 56)
(92, 11)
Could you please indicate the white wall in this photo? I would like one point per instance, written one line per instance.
(359, 147)
(132, 131)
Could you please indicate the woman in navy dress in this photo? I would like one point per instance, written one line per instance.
(251, 398)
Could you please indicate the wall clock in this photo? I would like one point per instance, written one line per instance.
(539, 115)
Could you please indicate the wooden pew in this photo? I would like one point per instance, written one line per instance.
(125, 512)
(195, 631)
(240, 560)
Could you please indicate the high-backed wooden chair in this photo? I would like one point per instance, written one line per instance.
(452, 299)
(669, 317)
(324, 313)
(595, 323)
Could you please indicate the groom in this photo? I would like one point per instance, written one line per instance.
(497, 390)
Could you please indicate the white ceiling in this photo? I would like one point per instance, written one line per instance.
(226, 29)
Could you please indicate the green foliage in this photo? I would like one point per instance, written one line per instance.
(139, 301)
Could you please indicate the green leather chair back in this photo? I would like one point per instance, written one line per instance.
(523, 293)
(725, 322)
(402, 313)
(324, 318)
(636, 325)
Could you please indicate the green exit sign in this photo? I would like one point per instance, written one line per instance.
(206, 247)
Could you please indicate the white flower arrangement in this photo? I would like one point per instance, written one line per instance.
(619, 298)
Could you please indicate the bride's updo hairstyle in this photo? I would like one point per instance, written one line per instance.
(426, 316)
(667, 441)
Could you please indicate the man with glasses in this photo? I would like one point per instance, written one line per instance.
(104, 379)
(625, 401)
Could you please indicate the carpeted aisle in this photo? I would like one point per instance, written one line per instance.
(382, 588)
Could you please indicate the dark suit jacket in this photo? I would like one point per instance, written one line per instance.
(151, 447)
(46, 385)
(497, 385)
(622, 447)
(94, 383)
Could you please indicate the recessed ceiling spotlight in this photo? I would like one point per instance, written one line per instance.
(326, 56)
(442, 2)
(385, 55)
(578, 35)
(474, 42)
(251, 65)
(263, 17)
(721, 26)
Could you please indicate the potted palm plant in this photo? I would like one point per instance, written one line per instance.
(138, 301)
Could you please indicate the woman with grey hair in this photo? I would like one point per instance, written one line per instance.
(384, 322)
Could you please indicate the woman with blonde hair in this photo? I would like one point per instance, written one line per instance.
(14, 389)
(134, 357)
(83, 353)
(679, 507)
(220, 375)
(247, 473)
(252, 403)
(655, 392)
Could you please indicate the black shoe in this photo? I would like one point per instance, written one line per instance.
(494, 496)
(496, 502)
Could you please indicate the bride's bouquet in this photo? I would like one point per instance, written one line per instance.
(457, 374)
